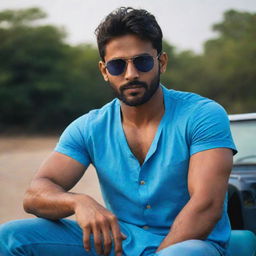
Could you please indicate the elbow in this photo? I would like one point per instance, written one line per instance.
(29, 201)
(32, 200)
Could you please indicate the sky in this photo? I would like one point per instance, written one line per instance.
(186, 24)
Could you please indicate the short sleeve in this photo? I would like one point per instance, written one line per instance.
(73, 141)
(210, 129)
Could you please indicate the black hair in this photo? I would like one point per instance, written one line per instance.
(127, 20)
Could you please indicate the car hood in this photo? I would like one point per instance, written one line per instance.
(245, 172)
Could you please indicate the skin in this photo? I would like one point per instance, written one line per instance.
(208, 170)
(140, 123)
(207, 182)
(48, 197)
(48, 194)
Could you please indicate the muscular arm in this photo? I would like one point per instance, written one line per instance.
(48, 197)
(207, 183)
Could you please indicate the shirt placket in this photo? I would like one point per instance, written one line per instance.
(144, 193)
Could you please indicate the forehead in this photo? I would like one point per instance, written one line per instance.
(127, 46)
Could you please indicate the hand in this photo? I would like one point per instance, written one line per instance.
(94, 219)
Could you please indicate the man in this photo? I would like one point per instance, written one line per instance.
(163, 159)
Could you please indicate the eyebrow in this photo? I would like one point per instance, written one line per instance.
(125, 58)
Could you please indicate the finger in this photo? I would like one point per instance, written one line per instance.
(97, 236)
(86, 238)
(123, 236)
(107, 238)
(117, 236)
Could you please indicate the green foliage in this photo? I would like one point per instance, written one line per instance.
(46, 83)
(226, 71)
(23, 17)
(231, 60)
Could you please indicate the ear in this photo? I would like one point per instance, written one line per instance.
(103, 70)
(163, 59)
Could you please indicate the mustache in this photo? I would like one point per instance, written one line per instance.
(133, 84)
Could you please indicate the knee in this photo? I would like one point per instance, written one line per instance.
(190, 248)
(12, 238)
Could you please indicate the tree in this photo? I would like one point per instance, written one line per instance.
(226, 71)
(44, 82)
(231, 61)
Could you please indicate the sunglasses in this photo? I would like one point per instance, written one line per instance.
(142, 63)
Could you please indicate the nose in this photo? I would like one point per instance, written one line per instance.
(131, 73)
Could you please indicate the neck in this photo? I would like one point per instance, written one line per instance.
(150, 111)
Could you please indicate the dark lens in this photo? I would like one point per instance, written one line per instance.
(116, 67)
(144, 63)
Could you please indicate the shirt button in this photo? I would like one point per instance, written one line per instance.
(148, 206)
(142, 182)
(145, 227)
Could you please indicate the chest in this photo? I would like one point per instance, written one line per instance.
(140, 140)
(159, 152)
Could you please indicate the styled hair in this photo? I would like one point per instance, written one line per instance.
(127, 20)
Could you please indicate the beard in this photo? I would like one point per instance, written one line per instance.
(134, 99)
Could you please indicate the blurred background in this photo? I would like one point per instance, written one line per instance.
(49, 72)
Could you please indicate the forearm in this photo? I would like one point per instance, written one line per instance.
(46, 199)
(195, 221)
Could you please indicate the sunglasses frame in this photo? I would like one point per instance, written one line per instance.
(126, 60)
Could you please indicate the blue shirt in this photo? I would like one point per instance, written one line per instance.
(146, 198)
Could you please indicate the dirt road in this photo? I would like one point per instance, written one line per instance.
(19, 159)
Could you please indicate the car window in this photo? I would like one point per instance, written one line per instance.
(244, 135)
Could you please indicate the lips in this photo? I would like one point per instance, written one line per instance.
(133, 85)
(134, 90)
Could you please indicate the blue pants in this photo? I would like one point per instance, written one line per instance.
(41, 237)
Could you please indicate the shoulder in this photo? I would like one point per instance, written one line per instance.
(186, 98)
(190, 105)
(205, 122)
(96, 116)
(91, 122)
(78, 131)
